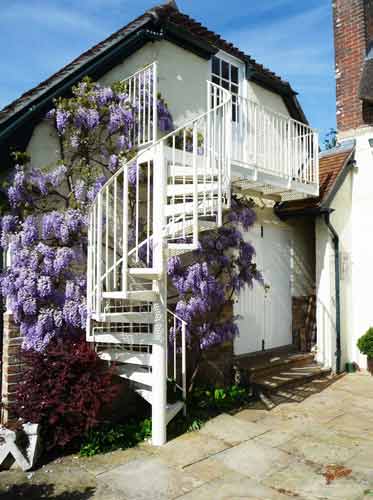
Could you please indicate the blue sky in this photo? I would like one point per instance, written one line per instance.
(294, 39)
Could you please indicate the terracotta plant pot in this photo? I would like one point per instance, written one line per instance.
(370, 365)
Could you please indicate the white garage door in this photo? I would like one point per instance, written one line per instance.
(265, 316)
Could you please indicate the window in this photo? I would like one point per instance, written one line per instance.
(226, 75)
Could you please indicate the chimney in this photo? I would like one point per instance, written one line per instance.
(350, 40)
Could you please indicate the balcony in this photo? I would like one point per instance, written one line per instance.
(273, 156)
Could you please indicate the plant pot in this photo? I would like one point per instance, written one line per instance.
(370, 365)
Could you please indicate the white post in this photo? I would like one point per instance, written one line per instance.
(183, 364)
(89, 278)
(159, 356)
(125, 232)
(99, 255)
(159, 364)
(195, 185)
(155, 101)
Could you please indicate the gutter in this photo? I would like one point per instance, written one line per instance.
(335, 239)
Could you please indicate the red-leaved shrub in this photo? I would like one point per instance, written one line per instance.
(64, 389)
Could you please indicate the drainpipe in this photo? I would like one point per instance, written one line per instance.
(335, 239)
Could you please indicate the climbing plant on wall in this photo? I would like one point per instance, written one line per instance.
(45, 284)
(222, 266)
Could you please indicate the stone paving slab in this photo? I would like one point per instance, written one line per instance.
(232, 430)
(254, 459)
(355, 424)
(234, 486)
(148, 478)
(314, 450)
(107, 461)
(308, 481)
(190, 448)
(276, 438)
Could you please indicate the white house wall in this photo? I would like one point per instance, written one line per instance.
(362, 242)
(325, 281)
(182, 77)
(182, 82)
(266, 98)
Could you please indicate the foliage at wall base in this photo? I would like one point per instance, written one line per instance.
(64, 388)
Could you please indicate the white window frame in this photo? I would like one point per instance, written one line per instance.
(242, 87)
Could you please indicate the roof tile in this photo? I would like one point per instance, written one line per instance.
(331, 166)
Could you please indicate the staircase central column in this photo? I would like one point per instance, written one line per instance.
(159, 356)
(159, 362)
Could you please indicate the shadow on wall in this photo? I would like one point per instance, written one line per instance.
(303, 276)
(43, 492)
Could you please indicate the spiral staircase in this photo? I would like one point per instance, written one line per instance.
(155, 206)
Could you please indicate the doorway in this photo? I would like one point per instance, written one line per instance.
(265, 313)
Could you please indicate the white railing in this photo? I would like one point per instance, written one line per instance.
(274, 143)
(177, 369)
(142, 92)
(163, 194)
(198, 164)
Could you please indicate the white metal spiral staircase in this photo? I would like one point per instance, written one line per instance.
(155, 206)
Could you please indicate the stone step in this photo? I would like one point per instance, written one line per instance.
(288, 378)
(274, 364)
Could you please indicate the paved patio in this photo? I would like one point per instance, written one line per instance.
(319, 449)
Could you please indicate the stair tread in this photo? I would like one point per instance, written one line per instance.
(124, 338)
(126, 356)
(275, 361)
(277, 381)
(135, 374)
(180, 189)
(137, 295)
(125, 317)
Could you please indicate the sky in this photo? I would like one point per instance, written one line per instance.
(292, 38)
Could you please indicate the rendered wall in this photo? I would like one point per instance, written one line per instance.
(341, 219)
(266, 98)
(362, 241)
(182, 82)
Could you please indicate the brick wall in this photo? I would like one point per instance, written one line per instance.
(350, 39)
(369, 20)
(11, 366)
(304, 317)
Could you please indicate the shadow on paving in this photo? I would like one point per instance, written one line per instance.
(43, 492)
(294, 394)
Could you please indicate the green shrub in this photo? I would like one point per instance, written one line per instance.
(365, 343)
(219, 398)
(113, 437)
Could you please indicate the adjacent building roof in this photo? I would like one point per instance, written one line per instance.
(334, 166)
(161, 22)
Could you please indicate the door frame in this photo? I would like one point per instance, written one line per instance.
(263, 224)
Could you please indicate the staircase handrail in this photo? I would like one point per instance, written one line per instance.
(187, 125)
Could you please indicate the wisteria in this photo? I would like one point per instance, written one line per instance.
(220, 268)
(46, 229)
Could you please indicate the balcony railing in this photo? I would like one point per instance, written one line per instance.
(276, 145)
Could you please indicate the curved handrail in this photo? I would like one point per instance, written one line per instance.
(187, 125)
(213, 126)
